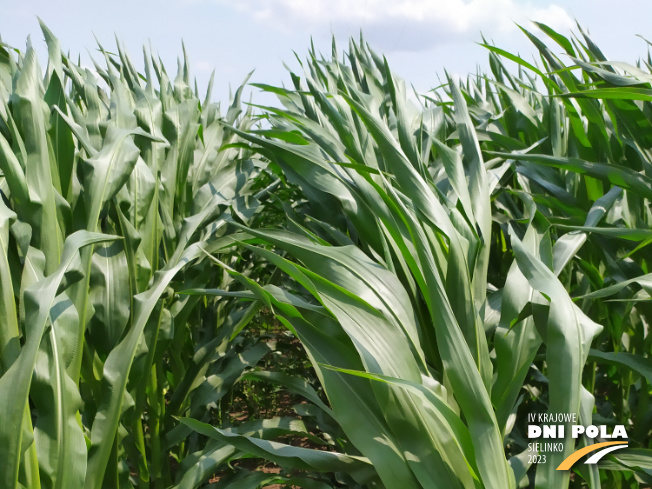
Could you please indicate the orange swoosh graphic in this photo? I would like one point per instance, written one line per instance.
(575, 456)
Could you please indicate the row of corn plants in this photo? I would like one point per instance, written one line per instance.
(450, 265)
(113, 192)
(465, 263)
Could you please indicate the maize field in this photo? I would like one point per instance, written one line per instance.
(355, 288)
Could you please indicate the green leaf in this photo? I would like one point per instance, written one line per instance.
(15, 383)
(287, 455)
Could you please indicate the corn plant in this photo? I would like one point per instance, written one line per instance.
(443, 249)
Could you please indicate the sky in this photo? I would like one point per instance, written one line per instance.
(420, 38)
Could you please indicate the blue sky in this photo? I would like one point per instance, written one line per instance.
(419, 37)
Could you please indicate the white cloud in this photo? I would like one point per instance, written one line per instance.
(411, 25)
